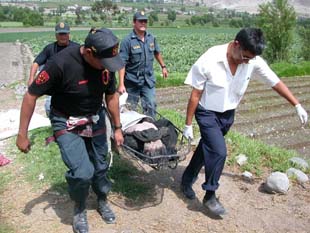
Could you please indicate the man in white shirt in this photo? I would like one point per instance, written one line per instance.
(219, 79)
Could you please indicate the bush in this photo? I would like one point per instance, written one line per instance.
(304, 33)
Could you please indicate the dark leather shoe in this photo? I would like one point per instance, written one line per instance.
(214, 206)
(188, 191)
(105, 211)
(80, 224)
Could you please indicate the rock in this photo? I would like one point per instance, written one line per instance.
(247, 175)
(300, 176)
(241, 159)
(277, 182)
(299, 163)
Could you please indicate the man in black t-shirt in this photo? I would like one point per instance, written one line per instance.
(77, 78)
(62, 34)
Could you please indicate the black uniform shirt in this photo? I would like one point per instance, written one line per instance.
(76, 88)
(49, 50)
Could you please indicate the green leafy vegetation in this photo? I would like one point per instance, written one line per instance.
(284, 69)
(304, 33)
(277, 19)
(17, 14)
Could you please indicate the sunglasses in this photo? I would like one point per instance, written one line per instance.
(142, 21)
(245, 58)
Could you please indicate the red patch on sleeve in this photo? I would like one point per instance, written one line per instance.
(83, 82)
(43, 77)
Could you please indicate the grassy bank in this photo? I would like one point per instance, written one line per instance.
(5, 179)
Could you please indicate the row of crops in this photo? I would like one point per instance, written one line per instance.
(180, 46)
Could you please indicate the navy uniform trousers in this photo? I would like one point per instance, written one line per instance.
(85, 158)
(211, 151)
(147, 94)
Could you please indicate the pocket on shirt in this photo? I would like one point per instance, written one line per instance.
(136, 55)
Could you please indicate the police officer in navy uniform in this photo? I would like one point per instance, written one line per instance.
(77, 78)
(62, 34)
(219, 79)
(138, 50)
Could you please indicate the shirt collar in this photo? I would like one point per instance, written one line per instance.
(222, 55)
(134, 35)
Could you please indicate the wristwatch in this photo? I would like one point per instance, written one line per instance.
(117, 127)
(163, 67)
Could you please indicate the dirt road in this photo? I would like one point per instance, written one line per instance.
(29, 210)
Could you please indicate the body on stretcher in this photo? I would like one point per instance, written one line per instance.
(157, 143)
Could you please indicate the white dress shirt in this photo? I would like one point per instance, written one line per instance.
(223, 91)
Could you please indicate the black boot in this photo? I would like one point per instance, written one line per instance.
(188, 191)
(212, 204)
(105, 211)
(80, 224)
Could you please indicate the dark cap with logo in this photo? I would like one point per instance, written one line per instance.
(140, 15)
(62, 28)
(104, 45)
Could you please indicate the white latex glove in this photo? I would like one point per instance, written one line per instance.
(123, 99)
(302, 114)
(188, 132)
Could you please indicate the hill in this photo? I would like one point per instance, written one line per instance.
(302, 7)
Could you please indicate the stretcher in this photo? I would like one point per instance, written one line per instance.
(170, 159)
(160, 161)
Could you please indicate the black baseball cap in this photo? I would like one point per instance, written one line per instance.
(104, 45)
(62, 28)
(140, 15)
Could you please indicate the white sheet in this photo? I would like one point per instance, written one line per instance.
(9, 122)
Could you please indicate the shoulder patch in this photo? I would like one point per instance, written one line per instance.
(43, 77)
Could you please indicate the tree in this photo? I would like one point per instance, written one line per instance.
(79, 15)
(33, 19)
(61, 9)
(172, 15)
(153, 16)
(304, 33)
(277, 19)
(104, 8)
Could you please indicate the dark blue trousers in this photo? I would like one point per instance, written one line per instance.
(85, 159)
(147, 94)
(211, 151)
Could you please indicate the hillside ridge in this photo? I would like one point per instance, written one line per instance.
(302, 7)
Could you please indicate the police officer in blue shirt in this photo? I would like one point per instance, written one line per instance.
(138, 50)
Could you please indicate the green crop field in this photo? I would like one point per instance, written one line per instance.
(180, 47)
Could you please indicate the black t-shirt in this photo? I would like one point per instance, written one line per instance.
(49, 50)
(76, 88)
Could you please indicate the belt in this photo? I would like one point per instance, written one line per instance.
(82, 133)
(73, 127)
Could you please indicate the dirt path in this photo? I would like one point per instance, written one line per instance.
(30, 210)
